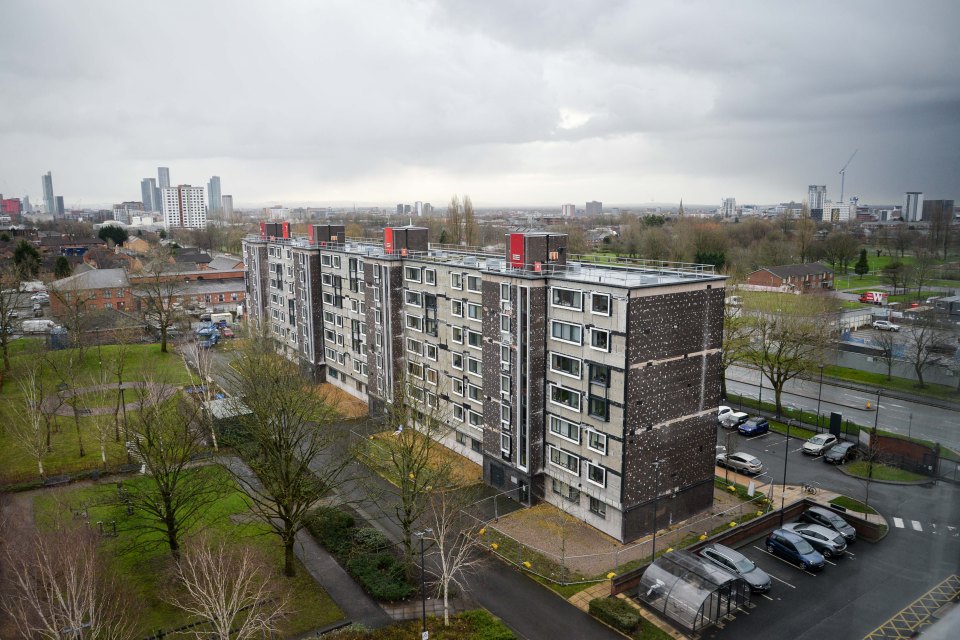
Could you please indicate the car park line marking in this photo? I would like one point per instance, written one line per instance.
(916, 525)
(828, 562)
(898, 523)
(776, 558)
(767, 597)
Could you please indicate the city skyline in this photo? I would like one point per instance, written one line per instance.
(623, 104)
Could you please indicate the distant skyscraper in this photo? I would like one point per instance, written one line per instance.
(213, 195)
(912, 206)
(939, 211)
(568, 210)
(227, 204)
(816, 196)
(48, 200)
(728, 209)
(399, 209)
(61, 210)
(148, 192)
(27, 207)
(183, 206)
(594, 208)
(418, 207)
(163, 175)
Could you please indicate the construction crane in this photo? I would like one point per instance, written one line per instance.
(843, 173)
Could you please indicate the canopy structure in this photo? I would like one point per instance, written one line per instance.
(691, 591)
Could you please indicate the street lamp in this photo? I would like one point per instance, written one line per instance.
(783, 488)
(819, 395)
(656, 500)
(423, 588)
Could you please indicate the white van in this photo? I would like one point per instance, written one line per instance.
(38, 326)
(217, 318)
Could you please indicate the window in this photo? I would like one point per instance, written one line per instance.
(456, 334)
(505, 323)
(598, 507)
(567, 397)
(432, 376)
(505, 413)
(567, 298)
(596, 474)
(565, 490)
(566, 461)
(336, 262)
(600, 304)
(565, 365)
(456, 280)
(597, 441)
(599, 408)
(413, 298)
(504, 291)
(505, 384)
(414, 346)
(565, 429)
(458, 413)
(325, 259)
(456, 361)
(566, 332)
(339, 321)
(430, 276)
(505, 354)
(415, 323)
(415, 369)
(327, 317)
(473, 283)
(474, 419)
(327, 279)
(474, 311)
(600, 339)
(457, 387)
(476, 445)
(474, 366)
(600, 374)
(475, 393)
(411, 274)
(461, 438)
(456, 308)
(475, 339)
(505, 442)
(431, 351)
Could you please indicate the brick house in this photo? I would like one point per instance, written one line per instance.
(793, 277)
(97, 289)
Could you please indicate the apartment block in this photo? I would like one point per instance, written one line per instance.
(593, 387)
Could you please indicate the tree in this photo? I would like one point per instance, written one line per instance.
(286, 429)
(27, 426)
(454, 222)
(903, 238)
(27, 259)
(11, 297)
(862, 267)
(455, 542)
(804, 237)
(889, 346)
(230, 588)
(60, 586)
(735, 348)
(62, 268)
(897, 274)
(73, 299)
(923, 266)
(839, 249)
(924, 345)
(165, 439)
(202, 360)
(471, 232)
(789, 337)
(113, 233)
(159, 287)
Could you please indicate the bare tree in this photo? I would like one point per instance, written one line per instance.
(804, 237)
(230, 588)
(923, 266)
(72, 300)
(889, 345)
(158, 285)
(286, 429)
(61, 587)
(471, 231)
(737, 332)
(202, 360)
(27, 426)
(11, 297)
(454, 221)
(165, 438)
(898, 275)
(922, 345)
(455, 542)
(66, 366)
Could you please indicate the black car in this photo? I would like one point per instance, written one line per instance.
(843, 452)
(830, 520)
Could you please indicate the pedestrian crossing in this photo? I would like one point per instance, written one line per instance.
(928, 527)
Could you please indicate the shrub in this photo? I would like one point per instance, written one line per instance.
(381, 575)
(332, 528)
(615, 612)
(370, 540)
(485, 626)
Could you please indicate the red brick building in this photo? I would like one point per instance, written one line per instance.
(793, 277)
(94, 290)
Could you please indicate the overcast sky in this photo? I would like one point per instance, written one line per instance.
(527, 103)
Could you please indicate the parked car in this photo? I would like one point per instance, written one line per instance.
(14, 314)
(820, 444)
(740, 461)
(885, 325)
(226, 332)
(734, 419)
(843, 452)
(737, 564)
(827, 541)
(722, 411)
(792, 548)
(831, 520)
(41, 298)
(37, 311)
(754, 427)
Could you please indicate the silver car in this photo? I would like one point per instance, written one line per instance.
(740, 461)
(738, 564)
(819, 444)
(827, 541)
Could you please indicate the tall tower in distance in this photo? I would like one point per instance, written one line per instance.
(912, 206)
(163, 177)
(816, 196)
(594, 208)
(183, 207)
(227, 203)
(568, 210)
(214, 202)
(728, 209)
(48, 200)
(148, 191)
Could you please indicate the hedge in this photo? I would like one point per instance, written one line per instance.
(615, 612)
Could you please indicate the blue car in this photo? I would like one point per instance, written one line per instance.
(792, 548)
(754, 427)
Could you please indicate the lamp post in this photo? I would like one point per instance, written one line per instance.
(819, 395)
(783, 489)
(656, 500)
(423, 588)
(910, 426)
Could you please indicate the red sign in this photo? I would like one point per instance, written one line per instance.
(263, 229)
(388, 240)
(310, 228)
(286, 229)
(517, 249)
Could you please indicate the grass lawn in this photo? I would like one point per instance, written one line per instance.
(464, 472)
(900, 384)
(883, 472)
(852, 505)
(477, 624)
(140, 360)
(144, 564)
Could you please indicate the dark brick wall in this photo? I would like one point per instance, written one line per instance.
(668, 390)
(370, 306)
(538, 371)
(490, 296)
(674, 324)
(392, 308)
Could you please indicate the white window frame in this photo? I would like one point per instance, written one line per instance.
(473, 307)
(456, 281)
(559, 433)
(413, 298)
(474, 333)
(414, 346)
(411, 325)
(589, 465)
(458, 412)
(456, 387)
(590, 434)
(456, 334)
(415, 366)
(564, 373)
(563, 452)
(410, 271)
(479, 371)
(504, 291)
(576, 292)
(479, 283)
(456, 308)
(575, 394)
(431, 351)
(474, 390)
(609, 298)
(453, 361)
(554, 323)
(479, 416)
(430, 276)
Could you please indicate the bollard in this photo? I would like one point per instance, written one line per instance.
(100, 526)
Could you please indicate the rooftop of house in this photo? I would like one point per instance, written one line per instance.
(93, 279)
(798, 270)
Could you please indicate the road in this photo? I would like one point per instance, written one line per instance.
(862, 591)
(903, 417)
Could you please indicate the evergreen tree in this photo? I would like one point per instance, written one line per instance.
(61, 268)
(27, 259)
(862, 267)
(119, 235)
